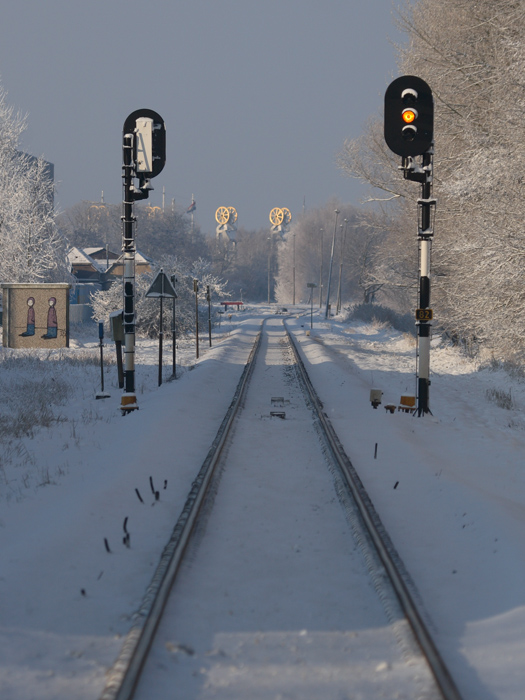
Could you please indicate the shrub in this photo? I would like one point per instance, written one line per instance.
(501, 398)
(383, 314)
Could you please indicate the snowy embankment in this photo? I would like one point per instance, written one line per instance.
(65, 602)
(449, 487)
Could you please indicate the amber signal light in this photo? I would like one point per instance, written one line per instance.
(409, 115)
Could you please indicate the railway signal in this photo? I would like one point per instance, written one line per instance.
(287, 216)
(226, 218)
(276, 216)
(409, 131)
(280, 218)
(144, 157)
(222, 215)
(409, 116)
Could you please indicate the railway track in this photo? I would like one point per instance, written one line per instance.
(283, 396)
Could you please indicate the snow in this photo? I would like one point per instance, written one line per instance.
(456, 515)
(276, 598)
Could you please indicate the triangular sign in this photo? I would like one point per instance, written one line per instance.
(161, 287)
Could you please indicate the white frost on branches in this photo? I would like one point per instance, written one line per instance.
(31, 248)
(473, 57)
(147, 309)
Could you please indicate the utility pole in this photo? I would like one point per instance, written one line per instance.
(192, 213)
(208, 299)
(293, 301)
(311, 286)
(343, 239)
(270, 239)
(174, 332)
(331, 265)
(321, 232)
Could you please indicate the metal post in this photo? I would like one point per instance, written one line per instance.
(311, 286)
(269, 265)
(208, 299)
(101, 338)
(174, 333)
(424, 174)
(321, 231)
(161, 336)
(192, 211)
(425, 234)
(129, 400)
(102, 394)
(196, 290)
(101, 366)
(331, 265)
(120, 368)
(293, 302)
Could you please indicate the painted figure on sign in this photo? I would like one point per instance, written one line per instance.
(52, 323)
(30, 327)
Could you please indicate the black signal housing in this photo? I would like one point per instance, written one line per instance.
(409, 116)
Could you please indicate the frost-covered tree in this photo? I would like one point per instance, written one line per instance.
(158, 233)
(472, 55)
(92, 224)
(244, 265)
(147, 309)
(32, 249)
(358, 255)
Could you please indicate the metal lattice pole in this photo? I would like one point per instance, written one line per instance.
(129, 399)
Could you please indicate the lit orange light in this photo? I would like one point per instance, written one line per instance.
(409, 115)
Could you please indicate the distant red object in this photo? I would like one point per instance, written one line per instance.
(238, 304)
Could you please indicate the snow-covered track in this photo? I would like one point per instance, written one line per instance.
(125, 674)
(390, 559)
(133, 673)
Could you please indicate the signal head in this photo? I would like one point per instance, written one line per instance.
(409, 116)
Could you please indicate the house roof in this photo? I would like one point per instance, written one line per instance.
(101, 253)
(80, 256)
(93, 258)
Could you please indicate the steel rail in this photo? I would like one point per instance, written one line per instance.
(125, 674)
(387, 553)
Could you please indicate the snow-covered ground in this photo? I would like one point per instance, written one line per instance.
(449, 488)
(279, 595)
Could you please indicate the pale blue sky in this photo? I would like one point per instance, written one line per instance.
(258, 96)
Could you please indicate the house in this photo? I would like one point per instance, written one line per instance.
(143, 264)
(97, 268)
